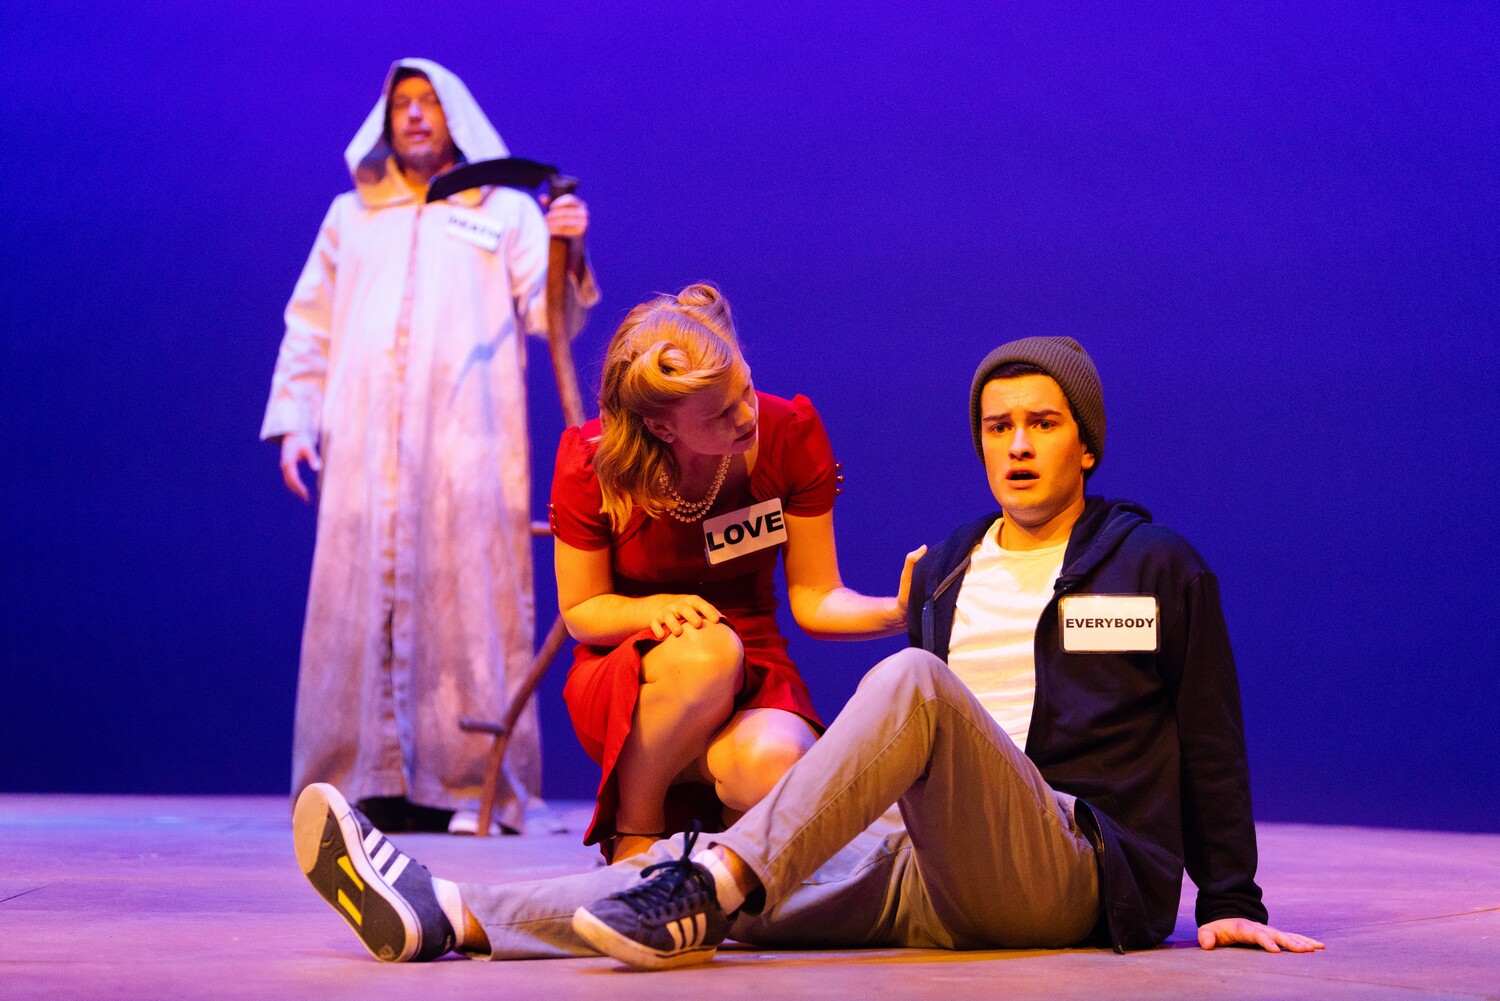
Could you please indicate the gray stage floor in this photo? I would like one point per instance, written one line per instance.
(124, 897)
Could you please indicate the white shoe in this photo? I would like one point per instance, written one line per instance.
(467, 822)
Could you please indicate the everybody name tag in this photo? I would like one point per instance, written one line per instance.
(1110, 623)
(475, 228)
(748, 530)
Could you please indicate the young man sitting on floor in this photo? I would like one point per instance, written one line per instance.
(1062, 740)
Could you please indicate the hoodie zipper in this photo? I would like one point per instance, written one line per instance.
(929, 607)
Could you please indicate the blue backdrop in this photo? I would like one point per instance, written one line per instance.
(1276, 227)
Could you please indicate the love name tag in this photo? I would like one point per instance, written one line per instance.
(475, 228)
(1110, 623)
(748, 530)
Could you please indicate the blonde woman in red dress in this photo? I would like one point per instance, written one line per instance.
(669, 511)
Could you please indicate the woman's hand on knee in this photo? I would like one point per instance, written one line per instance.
(678, 611)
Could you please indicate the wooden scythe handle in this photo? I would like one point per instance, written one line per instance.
(561, 349)
(557, 315)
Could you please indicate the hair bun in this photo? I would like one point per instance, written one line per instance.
(699, 295)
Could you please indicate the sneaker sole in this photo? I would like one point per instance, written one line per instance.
(323, 832)
(627, 950)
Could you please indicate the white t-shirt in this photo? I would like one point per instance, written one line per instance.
(992, 648)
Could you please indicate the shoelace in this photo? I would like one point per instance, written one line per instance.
(659, 893)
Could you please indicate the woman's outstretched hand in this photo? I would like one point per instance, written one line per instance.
(903, 593)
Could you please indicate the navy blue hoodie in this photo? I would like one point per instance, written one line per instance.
(1152, 744)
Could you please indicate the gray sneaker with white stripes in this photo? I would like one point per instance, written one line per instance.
(386, 896)
(671, 918)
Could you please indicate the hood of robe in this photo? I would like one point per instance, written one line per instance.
(371, 160)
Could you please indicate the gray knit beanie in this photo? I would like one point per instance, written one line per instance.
(1065, 360)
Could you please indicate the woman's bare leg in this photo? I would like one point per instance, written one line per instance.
(751, 753)
(688, 685)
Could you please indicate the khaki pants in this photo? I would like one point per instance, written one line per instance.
(983, 854)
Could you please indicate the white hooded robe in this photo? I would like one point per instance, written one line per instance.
(404, 358)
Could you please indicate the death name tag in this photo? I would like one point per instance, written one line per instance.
(1110, 623)
(475, 228)
(748, 530)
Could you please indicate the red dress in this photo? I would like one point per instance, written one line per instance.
(666, 556)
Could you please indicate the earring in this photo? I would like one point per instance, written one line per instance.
(668, 438)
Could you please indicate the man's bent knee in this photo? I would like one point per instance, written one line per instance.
(913, 671)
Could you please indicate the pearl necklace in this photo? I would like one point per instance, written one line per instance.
(690, 511)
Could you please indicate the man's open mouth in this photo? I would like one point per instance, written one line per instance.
(1021, 474)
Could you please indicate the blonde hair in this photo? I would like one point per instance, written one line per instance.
(666, 350)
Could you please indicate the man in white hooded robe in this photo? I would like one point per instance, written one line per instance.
(401, 380)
